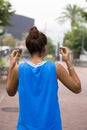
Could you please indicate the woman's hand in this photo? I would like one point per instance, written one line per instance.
(65, 53)
(13, 58)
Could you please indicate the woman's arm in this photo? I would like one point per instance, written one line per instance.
(70, 78)
(12, 79)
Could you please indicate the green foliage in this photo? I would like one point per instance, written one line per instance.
(24, 35)
(50, 46)
(72, 13)
(5, 12)
(84, 14)
(9, 41)
(2, 62)
(76, 39)
(47, 58)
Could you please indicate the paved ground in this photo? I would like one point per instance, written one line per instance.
(73, 106)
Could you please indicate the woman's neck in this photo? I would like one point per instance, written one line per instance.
(36, 59)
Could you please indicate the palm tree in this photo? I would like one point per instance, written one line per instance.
(72, 13)
(84, 14)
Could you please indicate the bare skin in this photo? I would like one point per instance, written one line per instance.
(69, 79)
(12, 79)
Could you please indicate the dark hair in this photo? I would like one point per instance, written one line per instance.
(35, 41)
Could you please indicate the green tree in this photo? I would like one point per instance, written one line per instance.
(77, 43)
(6, 12)
(74, 38)
(50, 46)
(72, 13)
(84, 14)
(9, 40)
(24, 35)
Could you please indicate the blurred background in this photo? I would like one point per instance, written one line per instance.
(65, 24)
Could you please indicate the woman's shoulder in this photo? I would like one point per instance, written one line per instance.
(56, 64)
(59, 65)
(22, 63)
(50, 62)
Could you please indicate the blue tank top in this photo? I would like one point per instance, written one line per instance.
(38, 97)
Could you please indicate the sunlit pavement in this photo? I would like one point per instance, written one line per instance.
(73, 106)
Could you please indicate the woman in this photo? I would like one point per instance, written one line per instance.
(37, 86)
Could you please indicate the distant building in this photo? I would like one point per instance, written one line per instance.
(20, 24)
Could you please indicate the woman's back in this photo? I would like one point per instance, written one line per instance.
(38, 100)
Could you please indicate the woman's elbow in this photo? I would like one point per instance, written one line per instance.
(77, 89)
(10, 93)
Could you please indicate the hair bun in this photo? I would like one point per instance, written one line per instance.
(33, 33)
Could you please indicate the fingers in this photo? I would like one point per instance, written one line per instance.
(64, 50)
(65, 53)
(14, 53)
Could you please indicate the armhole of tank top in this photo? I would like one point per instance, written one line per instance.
(56, 70)
(19, 69)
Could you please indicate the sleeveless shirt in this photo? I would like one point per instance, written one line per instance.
(38, 97)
